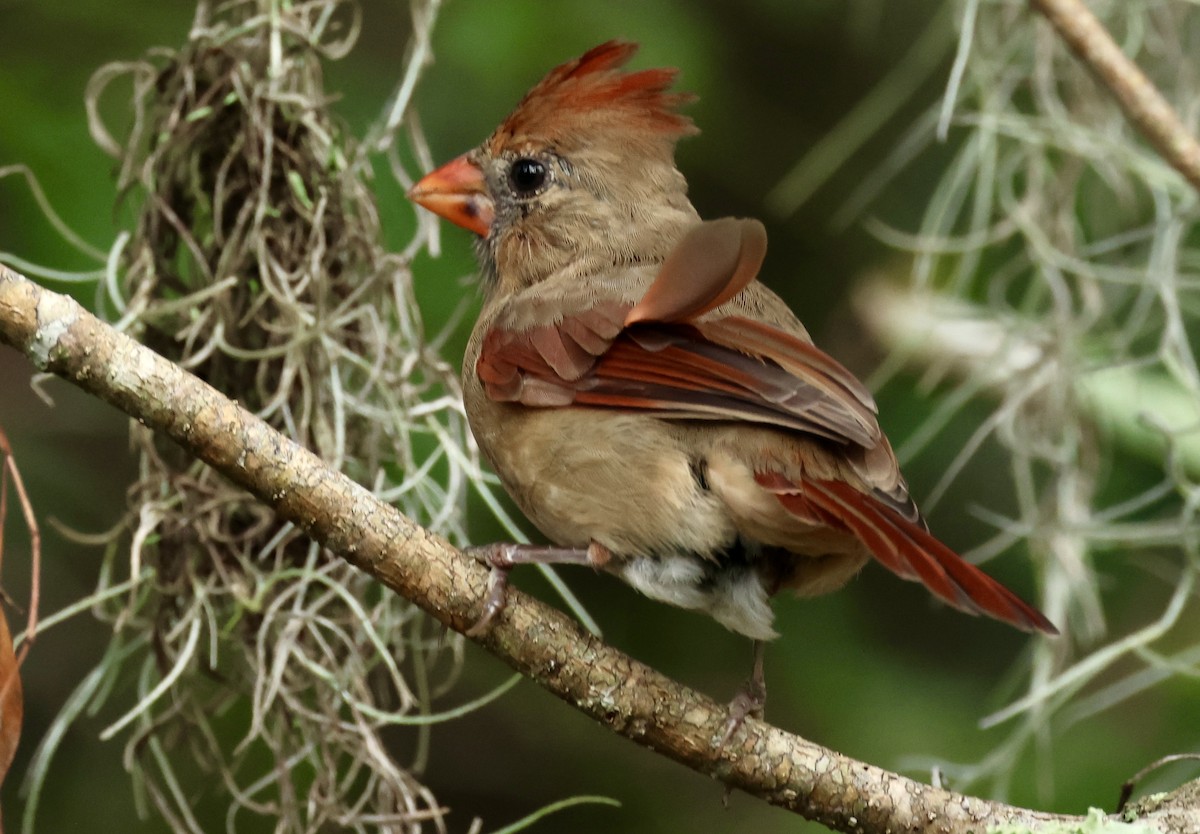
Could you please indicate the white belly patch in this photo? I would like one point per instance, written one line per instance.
(735, 597)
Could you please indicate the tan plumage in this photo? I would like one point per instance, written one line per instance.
(640, 394)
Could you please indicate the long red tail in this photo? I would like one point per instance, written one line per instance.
(913, 553)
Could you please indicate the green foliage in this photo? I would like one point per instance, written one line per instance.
(1096, 822)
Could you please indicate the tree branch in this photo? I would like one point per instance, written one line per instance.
(1142, 102)
(629, 698)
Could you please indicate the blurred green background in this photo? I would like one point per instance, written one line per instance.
(878, 671)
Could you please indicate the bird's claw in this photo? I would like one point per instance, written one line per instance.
(502, 557)
(499, 559)
(747, 703)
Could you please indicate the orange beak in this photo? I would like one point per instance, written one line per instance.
(458, 192)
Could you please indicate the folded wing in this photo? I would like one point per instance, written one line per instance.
(656, 356)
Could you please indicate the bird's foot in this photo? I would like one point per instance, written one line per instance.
(502, 557)
(749, 702)
(751, 697)
(492, 556)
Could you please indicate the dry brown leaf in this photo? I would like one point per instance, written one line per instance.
(12, 700)
(12, 705)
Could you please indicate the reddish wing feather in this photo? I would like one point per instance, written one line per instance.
(795, 354)
(670, 370)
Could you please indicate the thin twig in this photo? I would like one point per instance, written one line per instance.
(1131, 783)
(8, 469)
(631, 699)
(1142, 102)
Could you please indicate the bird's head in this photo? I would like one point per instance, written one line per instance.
(580, 176)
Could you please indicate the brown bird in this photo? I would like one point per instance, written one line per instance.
(654, 410)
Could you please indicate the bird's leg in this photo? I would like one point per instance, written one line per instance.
(750, 698)
(502, 558)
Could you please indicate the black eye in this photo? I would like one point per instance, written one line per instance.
(527, 175)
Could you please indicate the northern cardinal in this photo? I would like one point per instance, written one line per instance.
(650, 406)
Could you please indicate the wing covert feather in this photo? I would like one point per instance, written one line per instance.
(713, 262)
